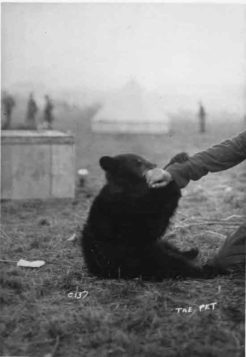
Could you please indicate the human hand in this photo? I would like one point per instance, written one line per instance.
(158, 177)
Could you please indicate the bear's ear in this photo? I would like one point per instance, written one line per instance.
(107, 163)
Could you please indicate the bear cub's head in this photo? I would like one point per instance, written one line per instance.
(126, 169)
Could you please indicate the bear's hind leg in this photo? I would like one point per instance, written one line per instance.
(172, 263)
(189, 253)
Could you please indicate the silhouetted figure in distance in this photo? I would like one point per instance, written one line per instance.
(8, 104)
(48, 115)
(32, 109)
(202, 118)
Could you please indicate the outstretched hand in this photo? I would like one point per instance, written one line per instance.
(158, 177)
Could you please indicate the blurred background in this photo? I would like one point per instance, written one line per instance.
(172, 69)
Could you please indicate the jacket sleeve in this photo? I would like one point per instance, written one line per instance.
(217, 158)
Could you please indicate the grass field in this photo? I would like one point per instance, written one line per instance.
(41, 314)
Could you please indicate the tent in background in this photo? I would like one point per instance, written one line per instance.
(132, 110)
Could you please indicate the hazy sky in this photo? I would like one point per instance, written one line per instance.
(179, 46)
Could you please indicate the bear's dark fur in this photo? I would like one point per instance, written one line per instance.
(122, 235)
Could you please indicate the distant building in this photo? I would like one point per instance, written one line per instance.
(132, 110)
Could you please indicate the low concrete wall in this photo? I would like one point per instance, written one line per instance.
(37, 164)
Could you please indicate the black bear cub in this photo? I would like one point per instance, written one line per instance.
(122, 235)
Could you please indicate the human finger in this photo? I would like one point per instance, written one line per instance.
(160, 184)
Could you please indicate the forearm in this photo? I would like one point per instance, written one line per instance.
(217, 158)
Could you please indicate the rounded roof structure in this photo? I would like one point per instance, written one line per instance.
(132, 103)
